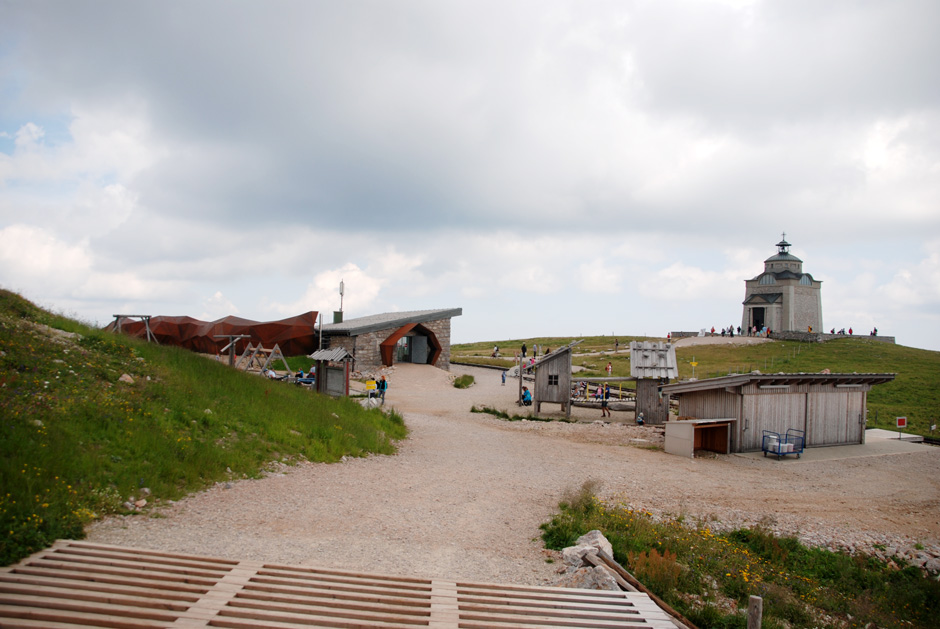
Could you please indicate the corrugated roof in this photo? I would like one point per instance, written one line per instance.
(371, 323)
(336, 354)
(653, 359)
(771, 379)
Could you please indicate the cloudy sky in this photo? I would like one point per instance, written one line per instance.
(553, 168)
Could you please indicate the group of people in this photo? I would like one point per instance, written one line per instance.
(535, 351)
(874, 331)
(602, 394)
(381, 386)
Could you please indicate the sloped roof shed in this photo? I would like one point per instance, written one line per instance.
(830, 408)
(652, 363)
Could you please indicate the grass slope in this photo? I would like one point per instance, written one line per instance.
(915, 393)
(76, 442)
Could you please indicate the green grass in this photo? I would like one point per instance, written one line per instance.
(915, 393)
(707, 575)
(463, 382)
(75, 442)
(495, 412)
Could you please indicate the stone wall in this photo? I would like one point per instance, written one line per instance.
(366, 347)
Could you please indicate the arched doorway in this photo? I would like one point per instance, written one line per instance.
(411, 343)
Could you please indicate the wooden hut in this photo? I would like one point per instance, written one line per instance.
(831, 409)
(653, 364)
(553, 379)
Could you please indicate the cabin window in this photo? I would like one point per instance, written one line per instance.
(553, 380)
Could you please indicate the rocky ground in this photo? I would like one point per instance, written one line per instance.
(466, 494)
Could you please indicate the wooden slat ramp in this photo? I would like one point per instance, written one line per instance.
(79, 585)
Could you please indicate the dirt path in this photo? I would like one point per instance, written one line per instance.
(466, 494)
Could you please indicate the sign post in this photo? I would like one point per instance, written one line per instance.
(902, 423)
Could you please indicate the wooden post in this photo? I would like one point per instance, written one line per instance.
(755, 609)
(520, 379)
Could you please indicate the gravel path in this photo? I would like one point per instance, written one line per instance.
(466, 494)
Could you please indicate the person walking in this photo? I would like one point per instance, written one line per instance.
(523, 350)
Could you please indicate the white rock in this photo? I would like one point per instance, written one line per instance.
(573, 556)
(594, 578)
(596, 539)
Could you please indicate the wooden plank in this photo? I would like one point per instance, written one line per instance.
(70, 604)
(96, 571)
(7, 580)
(241, 606)
(326, 572)
(78, 618)
(136, 564)
(122, 578)
(317, 596)
(255, 618)
(17, 592)
(344, 587)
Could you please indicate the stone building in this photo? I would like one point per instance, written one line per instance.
(418, 336)
(783, 297)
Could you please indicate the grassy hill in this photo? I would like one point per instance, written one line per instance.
(76, 441)
(915, 393)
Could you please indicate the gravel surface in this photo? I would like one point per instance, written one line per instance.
(465, 495)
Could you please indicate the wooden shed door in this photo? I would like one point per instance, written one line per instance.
(771, 411)
(833, 418)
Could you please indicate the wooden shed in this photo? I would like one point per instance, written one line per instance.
(653, 364)
(332, 370)
(553, 379)
(831, 409)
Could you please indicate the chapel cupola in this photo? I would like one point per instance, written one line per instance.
(783, 260)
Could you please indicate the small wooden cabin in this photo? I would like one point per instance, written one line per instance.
(553, 379)
(830, 408)
(332, 370)
(652, 363)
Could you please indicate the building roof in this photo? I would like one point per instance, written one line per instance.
(373, 323)
(767, 298)
(778, 379)
(783, 257)
(334, 355)
(653, 359)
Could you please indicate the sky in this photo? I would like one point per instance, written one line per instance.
(552, 168)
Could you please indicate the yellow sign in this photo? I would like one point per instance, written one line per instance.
(370, 385)
(694, 364)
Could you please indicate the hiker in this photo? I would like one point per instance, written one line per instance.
(605, 412)
(526, 396)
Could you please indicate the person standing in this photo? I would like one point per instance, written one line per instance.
(382, 387)
(504, 378)
(610, 368)
(605, 411)
(523, 350)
